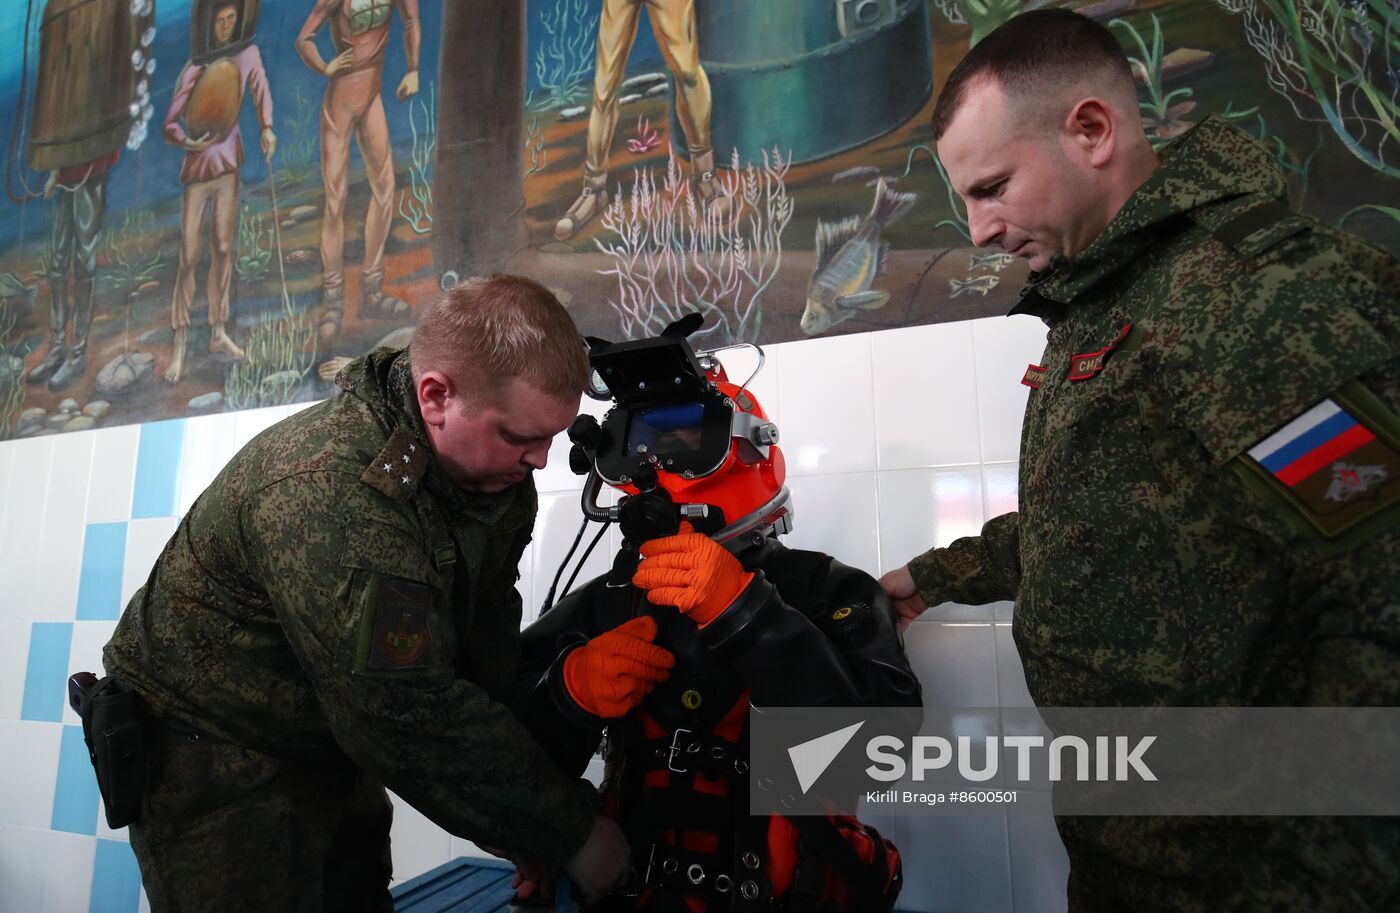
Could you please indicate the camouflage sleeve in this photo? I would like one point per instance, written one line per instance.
(362, 607)
(1353, 659)
(1324, 375)
(974, 570)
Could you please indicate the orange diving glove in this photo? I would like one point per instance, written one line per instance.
(611, 674)
(692, 572)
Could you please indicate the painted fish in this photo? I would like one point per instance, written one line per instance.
(976, 285)
(849, 257)
(996, 262)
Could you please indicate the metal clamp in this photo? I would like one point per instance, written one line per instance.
(676, 751)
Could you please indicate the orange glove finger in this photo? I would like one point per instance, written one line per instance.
(642, 627)
(680, 561)
(683, 598)
(603, 675)
(679, 541)
(646, 672)
(649, 578)
(647, 656)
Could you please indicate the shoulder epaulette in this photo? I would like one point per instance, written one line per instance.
(1253, 230)
(399, 467)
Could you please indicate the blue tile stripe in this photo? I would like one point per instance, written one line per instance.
(157, 469)
(75, 794)
(47, 672)
(116, 879)
(100, 583)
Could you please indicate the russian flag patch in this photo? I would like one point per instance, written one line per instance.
(1332, 464)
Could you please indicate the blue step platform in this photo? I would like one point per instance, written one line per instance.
(460, 886)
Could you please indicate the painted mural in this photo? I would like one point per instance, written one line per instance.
(214, 204)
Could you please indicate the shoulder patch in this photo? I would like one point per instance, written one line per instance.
(1335, 465)
(399, 467)
(395, 632)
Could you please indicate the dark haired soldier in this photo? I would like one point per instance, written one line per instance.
(1210, 462)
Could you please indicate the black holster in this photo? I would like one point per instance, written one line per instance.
(115, 734)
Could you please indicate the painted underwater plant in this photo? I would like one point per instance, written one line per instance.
(1335, 63)
(671, 255)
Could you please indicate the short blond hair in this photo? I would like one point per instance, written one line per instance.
(490, 328)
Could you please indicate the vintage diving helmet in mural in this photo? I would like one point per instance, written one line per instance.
(93, 91)
(206, 44)
(816, 77)
(219, 31)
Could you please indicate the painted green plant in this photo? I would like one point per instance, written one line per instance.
(254, 246)
(564, 58)
(416, 200)
(1161, 112)
(984, 15)
(959, 221)
(1334, 62)
(134, 258)
(298, 150)
(276, 356)
(11, 374)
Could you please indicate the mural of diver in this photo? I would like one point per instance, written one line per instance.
(673, 23)
(352, 105)
(88, 100)
(224, 62)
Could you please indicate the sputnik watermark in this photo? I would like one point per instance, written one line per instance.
(1111, 757)
(1093, 761)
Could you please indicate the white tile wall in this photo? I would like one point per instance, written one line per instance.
(28, 772)
(55, 593)
(895, 442)
(69, 472)
(926, 397)
(1004, 346)
(28, 487)
(208, 446)
(20, 544)
(14, 658)
(838, 514)
(827, 392)
(923, 508)
(144, 541)
(113, 473)
(43, 871)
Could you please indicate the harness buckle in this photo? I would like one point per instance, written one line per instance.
(675, 752)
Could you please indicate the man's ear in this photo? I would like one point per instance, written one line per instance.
(435, 396)
(1093, 129)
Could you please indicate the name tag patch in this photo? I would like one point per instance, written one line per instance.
(1088, 364)
(1034, 376)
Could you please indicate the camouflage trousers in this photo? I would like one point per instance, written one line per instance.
(224, 829)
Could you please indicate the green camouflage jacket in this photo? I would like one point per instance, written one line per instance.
(332, 594)
(1178, 543)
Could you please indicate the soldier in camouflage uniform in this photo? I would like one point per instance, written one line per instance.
(337, 611)
(1210, 458)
